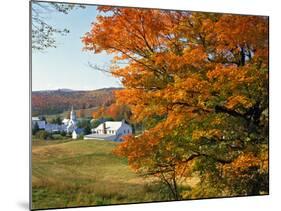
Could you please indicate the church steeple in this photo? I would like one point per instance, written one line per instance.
(72, 114)
(72, 123)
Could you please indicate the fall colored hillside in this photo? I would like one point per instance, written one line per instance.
(57, 101)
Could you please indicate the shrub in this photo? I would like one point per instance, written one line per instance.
(35, 128)
(42, 134)
(63, 133)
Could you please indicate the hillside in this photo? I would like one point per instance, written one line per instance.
(58, 101)
(84, 173)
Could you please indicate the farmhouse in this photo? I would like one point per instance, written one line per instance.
(110, 130)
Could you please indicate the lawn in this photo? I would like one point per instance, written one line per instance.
(84, 173)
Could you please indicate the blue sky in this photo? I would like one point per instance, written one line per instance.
(67, 65)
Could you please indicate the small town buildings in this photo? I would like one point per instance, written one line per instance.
(41, 123)
(71, 124)
(68, 125)
(77, 133)
(54, 128)
(110, 130)
(74, 135)
(107, 130)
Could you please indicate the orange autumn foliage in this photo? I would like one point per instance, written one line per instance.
(115, 111)
(200, 76)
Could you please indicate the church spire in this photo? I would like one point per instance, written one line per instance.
(72, 114)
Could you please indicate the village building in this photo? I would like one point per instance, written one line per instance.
(71, 124)
(54, 128)
(110, 130)
(41, 123)
(107, 130)
(68, 125)
(77, 133)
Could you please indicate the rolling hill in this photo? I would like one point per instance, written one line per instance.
(57, 101)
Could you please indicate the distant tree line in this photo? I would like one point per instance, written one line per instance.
(55, 102)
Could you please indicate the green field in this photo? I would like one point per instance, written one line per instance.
(84, 173)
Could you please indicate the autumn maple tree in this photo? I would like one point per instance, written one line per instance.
(201, 80)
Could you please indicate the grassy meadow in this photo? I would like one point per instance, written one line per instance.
(84, 173)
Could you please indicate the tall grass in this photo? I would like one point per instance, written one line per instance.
(84, 173)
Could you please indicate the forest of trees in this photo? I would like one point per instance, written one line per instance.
(114, 111)
(201, 81)
(58, 101)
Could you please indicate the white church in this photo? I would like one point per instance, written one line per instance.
(68, 126)
(110, 130)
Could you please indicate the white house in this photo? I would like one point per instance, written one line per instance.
(110, 130)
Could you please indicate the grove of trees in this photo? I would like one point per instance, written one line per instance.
(57, 101)
(201, 80)
(115, 112)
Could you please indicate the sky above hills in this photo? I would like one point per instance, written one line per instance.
(67, 65)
